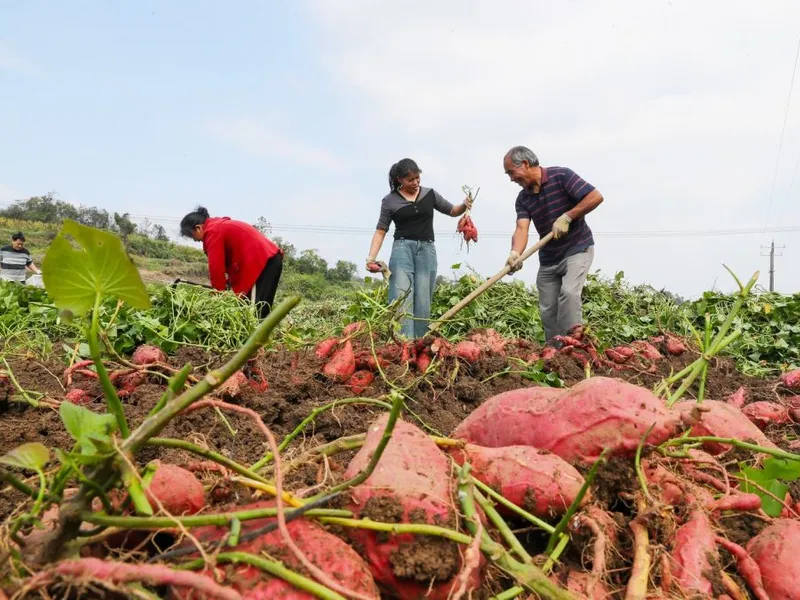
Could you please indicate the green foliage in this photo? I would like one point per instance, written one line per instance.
(164, 249)
(771, 482)
(33, 456)
(90, 430)
(76, 278)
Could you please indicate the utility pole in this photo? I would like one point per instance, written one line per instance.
(771, 255)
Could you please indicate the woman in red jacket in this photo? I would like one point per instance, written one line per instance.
(239, 257)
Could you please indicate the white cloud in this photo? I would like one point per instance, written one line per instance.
(7, 195)
(267, 139)
(672, 108)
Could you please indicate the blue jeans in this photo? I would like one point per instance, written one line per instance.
(413, 266)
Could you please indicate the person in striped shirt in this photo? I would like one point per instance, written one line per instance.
(14, 259)
(556, 199)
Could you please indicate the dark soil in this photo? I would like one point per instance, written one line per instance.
(438, 403)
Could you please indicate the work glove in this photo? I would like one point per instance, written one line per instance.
(561, 226)
(372, 266)
(513, 261)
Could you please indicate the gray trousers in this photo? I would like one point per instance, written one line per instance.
(560, 288)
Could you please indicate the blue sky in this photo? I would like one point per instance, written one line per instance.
(295, 110)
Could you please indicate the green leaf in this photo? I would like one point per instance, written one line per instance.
(74, 278)
(781, 468)
(91, 430)
(33, 455)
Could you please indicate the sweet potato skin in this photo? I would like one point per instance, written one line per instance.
(775, 550)
(148, 355)
(575, 424)
(342, 364)
(410, 484)
(763, 413)
(694, 545)
(177, 489)
(323, 549)
(535, 480)
(722, 420)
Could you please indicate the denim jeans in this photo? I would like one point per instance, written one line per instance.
(560, 288)
(413, 266)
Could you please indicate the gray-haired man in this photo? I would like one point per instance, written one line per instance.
(556, 199)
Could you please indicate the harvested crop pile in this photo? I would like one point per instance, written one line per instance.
(321, 548)
(411, 484)
(575, 424)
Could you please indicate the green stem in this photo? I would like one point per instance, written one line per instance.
(18, 485)
(553, 558)
(32, 401)
(509, 594)
(776, 452)
(397, 405)
(502, 526)
(638, 463)
(573, 508)
(399, 528)
(273, 568)
(527, 575)
(218, 519)
(112, 399)
(310, 418)
(154, 424)
(209, 454)
(174, 387)
(513, 507)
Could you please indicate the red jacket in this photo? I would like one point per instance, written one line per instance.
(237, 249)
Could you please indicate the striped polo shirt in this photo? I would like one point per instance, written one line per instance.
(13, 263)
(560, 191)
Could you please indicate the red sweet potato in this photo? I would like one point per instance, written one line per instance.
(360, 381)
(323, 549)
(342, 364)
(674, 346)
(763, 413)
(693, 552)
(232, 387)
(325, 347)
(721, 420)
(619, 354)
(148, 355)
(775, 551)
(423, 361)
(468, 350)
(442, 348)
(737, 501)
(538, 481)
(178, 490)
(575, 424)
(738, 397)
(548, 353)
(353, 328)
(489, 341)
(130, 383)
(411, 483)
(78, 396)
(646, 349)
(791, 380)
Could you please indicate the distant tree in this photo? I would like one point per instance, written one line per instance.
(310, 263)
(343, 271)
(263, 226)
(94, 217)
(289, 251)
(124, 226)
(46, 209)
(159, 233)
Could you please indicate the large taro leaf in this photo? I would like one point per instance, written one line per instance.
(75, 277)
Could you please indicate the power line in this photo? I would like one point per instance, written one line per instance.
(783, 132)
(349, 230)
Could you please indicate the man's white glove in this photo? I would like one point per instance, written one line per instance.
(561, 226)
(513, 261)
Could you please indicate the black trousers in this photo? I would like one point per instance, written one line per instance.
(263, 292)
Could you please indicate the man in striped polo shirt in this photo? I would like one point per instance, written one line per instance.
(14, 259)
(556, 199)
